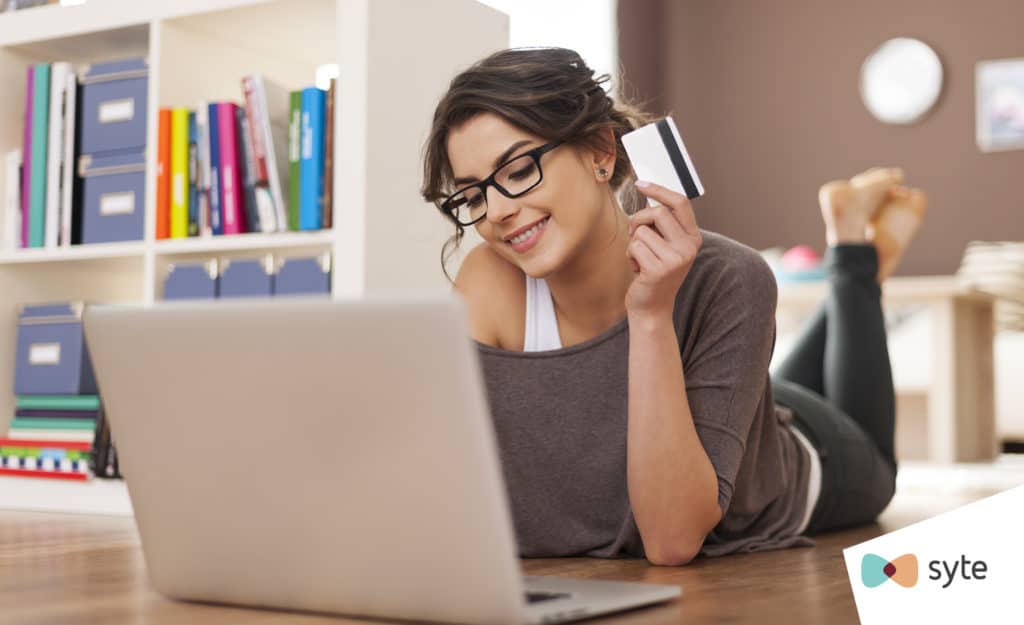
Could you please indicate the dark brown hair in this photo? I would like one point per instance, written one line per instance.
(548, 92)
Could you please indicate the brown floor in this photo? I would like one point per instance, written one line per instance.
(89, 569)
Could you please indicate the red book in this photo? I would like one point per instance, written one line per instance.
(75, 445)
(163, 175)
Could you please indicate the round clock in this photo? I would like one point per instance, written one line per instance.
(901, 80)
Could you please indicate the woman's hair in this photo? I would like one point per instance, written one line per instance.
(548, 92)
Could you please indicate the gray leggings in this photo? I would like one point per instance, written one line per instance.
(838, 383)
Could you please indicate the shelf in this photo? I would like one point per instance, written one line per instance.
(317, 240)
(39, 24)
(97, 251)
(48, 495)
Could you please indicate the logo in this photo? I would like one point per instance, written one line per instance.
(876, 570)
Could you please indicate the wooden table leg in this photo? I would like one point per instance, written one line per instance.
(961, 400)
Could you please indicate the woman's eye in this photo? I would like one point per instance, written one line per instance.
(473, 202)
(522, 173)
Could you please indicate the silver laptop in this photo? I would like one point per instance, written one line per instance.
(327, 456)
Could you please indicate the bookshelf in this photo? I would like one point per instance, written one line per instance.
(395, 60)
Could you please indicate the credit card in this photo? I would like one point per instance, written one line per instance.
(658, 155)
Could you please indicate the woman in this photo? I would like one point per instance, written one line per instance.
(626, 351)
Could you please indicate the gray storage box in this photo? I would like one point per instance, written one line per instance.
(304, 276)
(114, 97)
(247, 277)
(113, 197)
(192, 281)
(52, 358)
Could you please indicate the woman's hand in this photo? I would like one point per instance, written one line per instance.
(664, 241)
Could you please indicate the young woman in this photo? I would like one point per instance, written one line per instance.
(626, 351)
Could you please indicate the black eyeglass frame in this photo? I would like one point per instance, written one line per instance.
(534, 154)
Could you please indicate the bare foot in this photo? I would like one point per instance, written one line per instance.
(847, 206)
(894, 225)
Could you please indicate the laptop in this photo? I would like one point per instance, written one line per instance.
(333, 456)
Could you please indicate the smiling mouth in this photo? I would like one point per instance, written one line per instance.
(525, 236)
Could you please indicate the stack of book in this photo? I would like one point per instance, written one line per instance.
(227, 168)
(997, 268)
(58, 436)
(38, 211)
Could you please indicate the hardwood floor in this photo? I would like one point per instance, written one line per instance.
(62, 568)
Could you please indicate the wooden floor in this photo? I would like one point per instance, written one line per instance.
(61, 568)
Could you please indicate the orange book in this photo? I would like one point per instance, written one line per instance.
(163, 176)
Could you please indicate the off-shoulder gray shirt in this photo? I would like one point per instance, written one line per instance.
(561, 420)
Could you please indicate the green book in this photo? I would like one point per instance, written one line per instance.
(29, 423)
(59, 402)
(37, 184)
(35, 452)
(294, 156)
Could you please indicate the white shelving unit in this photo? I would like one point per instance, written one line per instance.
(395, 57)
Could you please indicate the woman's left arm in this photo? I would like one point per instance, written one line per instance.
(673, 487)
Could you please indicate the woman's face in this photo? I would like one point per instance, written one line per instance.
(567, 204)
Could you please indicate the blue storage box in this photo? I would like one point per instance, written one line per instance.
(113, 196)
(114, 97)
(52, 358)
(304, 276)
(192, 281)
(247, 278)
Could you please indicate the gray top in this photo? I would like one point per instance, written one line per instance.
(561, 418)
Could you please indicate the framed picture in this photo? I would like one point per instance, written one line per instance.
(999, 87)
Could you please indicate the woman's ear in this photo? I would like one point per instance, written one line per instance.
(604, 153)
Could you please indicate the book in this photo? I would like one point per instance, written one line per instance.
(61, 475)
(77, 184)
(203, 171)
(230, 176)
(163, 174)
(259, 210)
(26, 151)
(56, 414)
(6, 443)
(311, 165)
(269, 119)
(40, 122)
(39, 434)
(179, 173)
(216, 195)
(58, 402)
(36, 423)
(55, 153)
(69, 184)
(294, 157)
(328, 207)
(10, 226)
(193, 173)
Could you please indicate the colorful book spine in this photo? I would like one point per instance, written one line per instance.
(328, 203)
(26, 168)
(203, 139)
(163, 175)
(294, 157)
(216, 194)
(67, 186)
(36, 423)
(44, 445)
(58, 402)
(55, 153)
(179, 173)
(311, 167)
(230, 175)
(193, 177)
(253, 216)
(40, 122)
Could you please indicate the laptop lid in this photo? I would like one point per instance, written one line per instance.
(311, 454)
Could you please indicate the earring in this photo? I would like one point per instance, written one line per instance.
(601, 173)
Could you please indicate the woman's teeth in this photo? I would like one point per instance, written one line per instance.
(529, 233)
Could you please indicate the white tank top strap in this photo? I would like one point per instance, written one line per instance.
(541, 323)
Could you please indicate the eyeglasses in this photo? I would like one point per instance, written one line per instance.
(514, 178)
